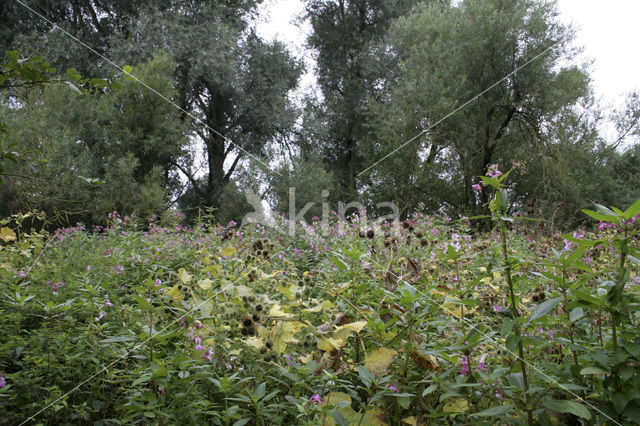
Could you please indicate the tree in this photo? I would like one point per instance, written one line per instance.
(232, 83)
(350, 72)
(126, 137)
(480, 83)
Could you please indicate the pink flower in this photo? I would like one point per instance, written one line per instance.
(108, 303)
(315, 398)
(393, 387)
(493, 171)
(100, 315)
(208, 354)
(198, 345)
(476, 187)
(3, 382)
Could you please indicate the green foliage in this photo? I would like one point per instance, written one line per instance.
(105, 151)
(197, 324)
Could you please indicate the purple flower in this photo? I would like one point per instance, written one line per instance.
(208, 354)
(182, 321)
(198, 345)
(493, 171)
(158, 282)
(100, 315)
(316, 398)
(393, 387)
(108, 303)
(476, 187)
(3, 382)
(21, 274)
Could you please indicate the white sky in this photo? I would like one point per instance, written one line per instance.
(608, 31)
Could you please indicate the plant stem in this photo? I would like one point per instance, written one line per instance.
(514, 311)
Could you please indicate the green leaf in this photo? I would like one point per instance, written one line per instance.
(601, 217)
(74, 87)
(633, 210)
(516, 380)
(576, 314)
(566, 406)
(512, 342)
(429, 390)
(494, 411)
(592, 370)
(118, 339)
(127, 69)
(543, 309)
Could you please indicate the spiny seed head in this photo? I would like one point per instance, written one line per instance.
(255, 317)
(370, 233)
(269, 345)
(244, 332)
(418, 234)
(259, 308)
(247, 322)
(361, 234)
(535, 298)
(423, 242)
(542, 296)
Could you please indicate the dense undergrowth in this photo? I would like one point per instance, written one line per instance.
(420, 322)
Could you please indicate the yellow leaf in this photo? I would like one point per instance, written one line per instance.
(254, 342)
(228, 251)
(305, 359)
(203, 306)
(428, 362)
(320, 306)
(184, 276)
(329, 344)
(6, 235)
(276, 311)
(374, 417)
(411, 421)
(455, 406)
(243, 290)
(176, 294)
(334, 398)
(456, 309)
(354, 326)
(379, 360)
(343, 286)
(205, 284)
(214, 270)
(497, 275)
(284, 332)
(289, 292)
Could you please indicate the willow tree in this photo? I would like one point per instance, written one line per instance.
(480, 82)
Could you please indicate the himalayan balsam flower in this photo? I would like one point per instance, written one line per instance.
(316, 398)
(393, 387)
(198, 345)
(493, 171)
(3, 382)
(476, 187)
(207, 355)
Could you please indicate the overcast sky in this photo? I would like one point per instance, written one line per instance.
(608, 31)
